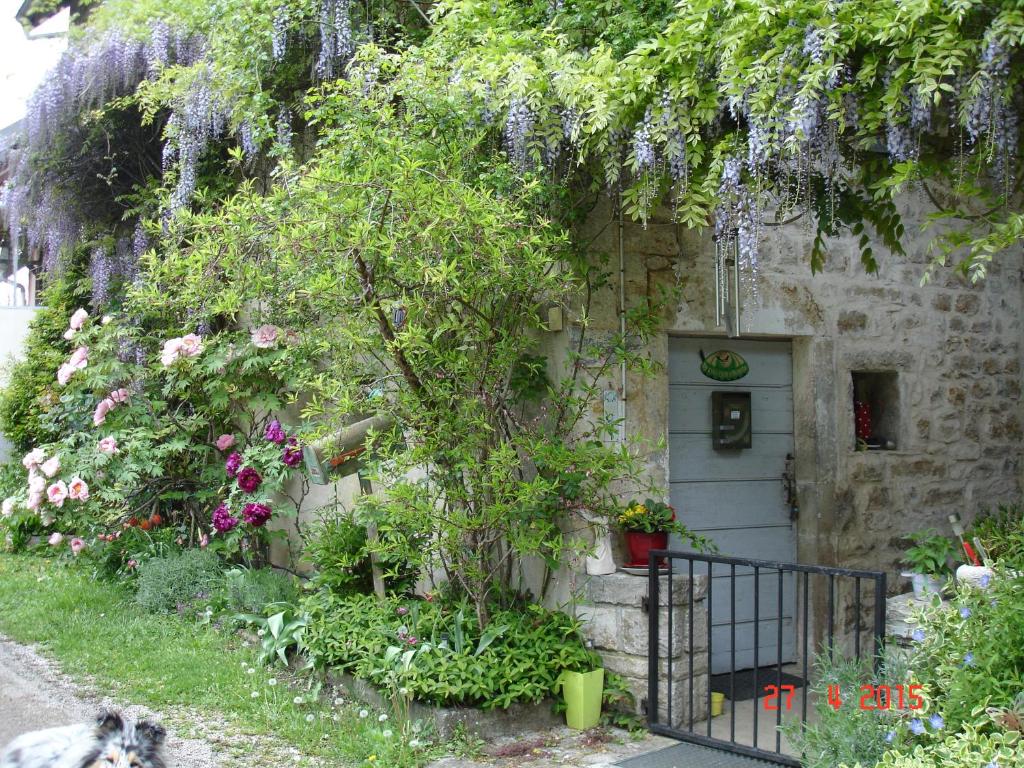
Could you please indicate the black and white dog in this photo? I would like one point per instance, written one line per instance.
(110, 742)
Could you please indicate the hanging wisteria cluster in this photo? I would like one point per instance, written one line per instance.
(106, 267)
(336, 42)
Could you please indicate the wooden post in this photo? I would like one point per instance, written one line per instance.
(371, 536)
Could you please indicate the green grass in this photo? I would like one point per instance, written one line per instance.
(95, 629)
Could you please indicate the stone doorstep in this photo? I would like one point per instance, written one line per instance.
(627, 589)
(680, 698)
(484, 724)
(620, 628)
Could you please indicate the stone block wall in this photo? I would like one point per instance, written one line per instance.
(618, 626)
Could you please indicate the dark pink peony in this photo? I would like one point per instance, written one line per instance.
(222, 519)
(291, 455)
(232, 465)
(275, 432)
(249, 479)
(256, 514)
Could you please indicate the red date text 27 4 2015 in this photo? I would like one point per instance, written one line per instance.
(872, 697)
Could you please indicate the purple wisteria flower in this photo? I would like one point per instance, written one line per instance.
(223, 521)
(233, 464)
(249, 479)
(937, 722)
(275, 432)
(917, 726)
(256, 514)
(292, 453)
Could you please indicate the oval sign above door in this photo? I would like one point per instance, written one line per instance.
(723, 365)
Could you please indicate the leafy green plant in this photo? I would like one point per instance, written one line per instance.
(281, 631)
(178, 582)
(1001, 532)
(930, 553)
(250, 590)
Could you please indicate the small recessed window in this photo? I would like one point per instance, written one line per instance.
(876, 410)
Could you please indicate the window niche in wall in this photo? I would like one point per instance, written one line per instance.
(876, 410)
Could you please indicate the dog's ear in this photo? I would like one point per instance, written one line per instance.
(150, 734)
(108, 722)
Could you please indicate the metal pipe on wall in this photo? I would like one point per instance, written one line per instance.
(622, 320)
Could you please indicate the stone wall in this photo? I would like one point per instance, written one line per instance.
(617, 623)
(955, 348)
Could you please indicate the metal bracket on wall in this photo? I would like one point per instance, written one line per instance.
(728, 297)
(645, 604)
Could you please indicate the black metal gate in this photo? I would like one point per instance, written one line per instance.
(850, 620)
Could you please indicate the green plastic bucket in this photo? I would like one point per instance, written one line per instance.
(582, 692)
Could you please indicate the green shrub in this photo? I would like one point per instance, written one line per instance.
(846, 733)
(176, 582)
(1001, 532)
(251, 590)
(517, 657)
(963, 749)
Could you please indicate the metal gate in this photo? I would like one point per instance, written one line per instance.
(849, 606)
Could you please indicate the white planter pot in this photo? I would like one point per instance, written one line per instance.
(924, 585)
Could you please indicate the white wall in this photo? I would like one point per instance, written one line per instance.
(14, 322)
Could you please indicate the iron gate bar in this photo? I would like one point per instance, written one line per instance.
(654, 723)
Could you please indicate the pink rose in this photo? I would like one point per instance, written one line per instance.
(8, 507)
(64, 373)
(171, 351)
(265, 336)
(79, 358)
(36, 484)
(132, 564)
(56, 539)
(33, 458)
(119, 395)
(204, 541)
(51, 467)
(78, 490)
(224, 442)
(78, 320)
(102, 409)
(34, 500)
(105, 320)
(56, 493)
(77, 545)
(108, 445)
(191, 345)
(69, 334)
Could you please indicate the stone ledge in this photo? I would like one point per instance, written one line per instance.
(627, 589)
(486, 724)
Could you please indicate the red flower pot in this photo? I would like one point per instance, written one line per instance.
(640, 544)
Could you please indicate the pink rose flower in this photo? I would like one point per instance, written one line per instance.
(8, 507)
(265, 336)
(34, 500)
(79, 358)
(119, 395)
(56, 539)
(56, 493)
(108, 445)
(33, 458)
(51, 467)
(36, 484)
(69, 334)
(191, 345)
(204, 540)
(105, 320)
(78, 490)
(77, 545)
(102, 409)
(64, 373)
(132, 563)
(78, 319)
(224, 442)
(171, 352)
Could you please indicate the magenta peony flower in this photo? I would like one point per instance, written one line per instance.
(249, 479)
(78, 319)
(222, 519)
(275, 432)
(265, 336)
(256, 514)
(56, 493)
(292, 453)
(56, 539)
(232, 465)
(77, 545)
(108, 445)
(224, 442)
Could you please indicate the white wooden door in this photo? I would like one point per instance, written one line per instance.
(736, 497)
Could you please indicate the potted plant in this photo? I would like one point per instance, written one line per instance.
(647, 526)
(929, 560)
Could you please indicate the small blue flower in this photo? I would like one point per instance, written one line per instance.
(965, 612)
(937, 722)
(918, 635)
(985, 579)
(890, 736)
(969, 660)
(916, 726)
(993, 764)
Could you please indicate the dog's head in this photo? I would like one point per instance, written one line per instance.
(121, 744)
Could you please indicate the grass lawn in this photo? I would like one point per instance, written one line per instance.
(94, 628)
